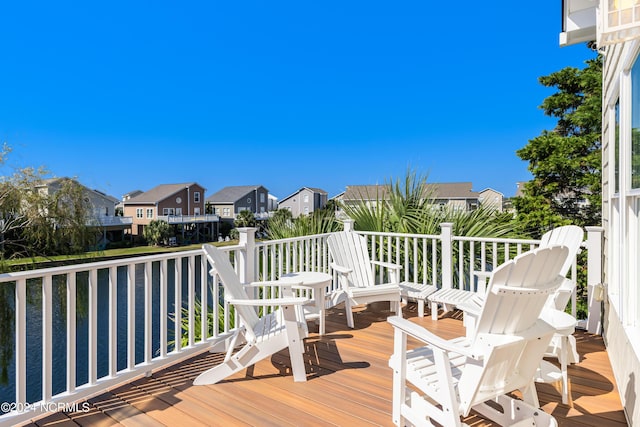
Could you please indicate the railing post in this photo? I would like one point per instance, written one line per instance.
(446, 254)
(594, 277)
(246, 256)
(348, 224)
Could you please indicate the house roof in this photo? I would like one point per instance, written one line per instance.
(453, 190)
(50, 181)
(365, 192)
(232, 193)
(312, 189)
(158, 193)
(132, 194)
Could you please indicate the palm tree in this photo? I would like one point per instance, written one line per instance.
(245, 218)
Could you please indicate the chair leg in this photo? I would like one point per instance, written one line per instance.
(420, 303)
(349, 313)
(296, 347)
(434, 310)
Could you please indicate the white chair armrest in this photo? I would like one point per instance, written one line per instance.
(483, 274)
(269, 301)
(422, 334)
(340, 269)
(388, 265)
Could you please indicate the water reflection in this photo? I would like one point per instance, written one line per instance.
(59, 321)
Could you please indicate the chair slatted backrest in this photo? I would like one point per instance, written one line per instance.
(349, 249)
(570, 236)
(533, 272)
(515, 299)
(232, 287)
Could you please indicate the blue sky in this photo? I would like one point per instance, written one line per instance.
(286, 94)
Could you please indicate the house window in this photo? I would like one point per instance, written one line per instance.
(149, 213)
(305, 198)
(196, 211)
(138, 212)
(178, 211)
(226, 211)
(306, 210)
(261, 197)
(196, 197)
(217, 211)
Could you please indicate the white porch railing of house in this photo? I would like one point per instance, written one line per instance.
(106, 221)
(129, 329)
(188, 219)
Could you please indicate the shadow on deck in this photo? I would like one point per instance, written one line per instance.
(348, 384)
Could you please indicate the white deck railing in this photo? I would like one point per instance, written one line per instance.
(131, 317)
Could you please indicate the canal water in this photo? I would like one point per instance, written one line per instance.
(59, 362)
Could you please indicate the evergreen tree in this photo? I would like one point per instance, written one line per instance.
(565, 162)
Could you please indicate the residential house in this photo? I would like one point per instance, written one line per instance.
(103, 209)
(272, 203)
(181, 205)
(229, 201)
(615, 27)
(453, 195)
(130, 195)
(491, 199)
(304, 201)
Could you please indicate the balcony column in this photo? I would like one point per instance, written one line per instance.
(246, 256)
(446, 242)
(594, 278)
(348, 224)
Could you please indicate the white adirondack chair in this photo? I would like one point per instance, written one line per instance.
(355, 269)
(563, 343)
(263, 336)
(449, 378)
(567, 235)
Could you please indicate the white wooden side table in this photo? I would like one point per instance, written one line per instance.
(318, 283)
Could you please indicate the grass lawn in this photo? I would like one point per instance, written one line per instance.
(109, 253)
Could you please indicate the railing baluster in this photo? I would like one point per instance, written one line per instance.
(191, 283)
(131, 316)
(21, 340)
(461, 265)
(204, 300)
(47, 342)
(163, 307)
(177, 327)
(71, 332)
(113, 321)
(148, 312)
(472, 264)
(425, 261)
(93, 326)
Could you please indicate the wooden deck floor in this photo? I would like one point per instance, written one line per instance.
(349, 384)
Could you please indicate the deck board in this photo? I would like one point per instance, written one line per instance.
(349, 383)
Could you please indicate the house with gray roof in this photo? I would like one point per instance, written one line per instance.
(229, 201)
(304, 201)
(181, 205)
(453, 195)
